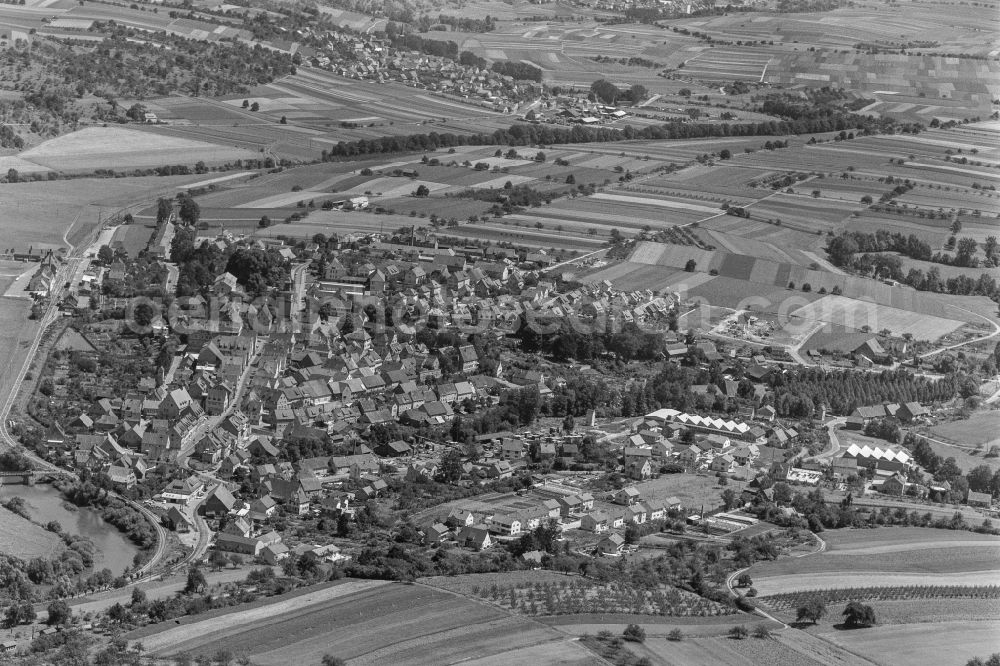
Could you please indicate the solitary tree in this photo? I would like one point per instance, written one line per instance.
(143, 314)
(728, 498)
(858, 614)
(568, 423)
(812, 610)
(59, 613)
(691, 265)
(195, 581)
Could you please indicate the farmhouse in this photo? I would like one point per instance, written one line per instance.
(979, 499)
(611, 545)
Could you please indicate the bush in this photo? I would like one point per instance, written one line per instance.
(739, 632)
(675, 635)
(760, 631)
(634, 633)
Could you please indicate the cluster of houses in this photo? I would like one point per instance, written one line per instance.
(694, 441)
(479, 526)
(374, 58)
(243, 524)
(907, 412)
(575, 110)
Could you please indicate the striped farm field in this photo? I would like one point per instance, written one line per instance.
(886, 556)
(369, 622)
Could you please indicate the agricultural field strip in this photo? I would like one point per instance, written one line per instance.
(169, 639)
(660, 203)
(772, 585)
(920, 645)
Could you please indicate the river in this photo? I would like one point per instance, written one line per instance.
(44, 503)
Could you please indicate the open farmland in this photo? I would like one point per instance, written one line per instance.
(368, 622)
(921, 644)
(979, 430)
(55, 214)
(885, 557)
(22, 538)
(118, 148)
(863, 301)
(783, 649)
(855, 314)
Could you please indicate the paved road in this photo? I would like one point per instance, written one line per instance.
(835, 445)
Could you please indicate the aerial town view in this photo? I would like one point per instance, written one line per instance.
(500, 332)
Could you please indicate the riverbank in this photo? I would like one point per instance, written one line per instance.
(112, 549)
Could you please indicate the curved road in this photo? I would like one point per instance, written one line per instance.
(995, 333)
(831, 429)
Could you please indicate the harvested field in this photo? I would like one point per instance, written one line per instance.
(721, 651)
(118, 148)
(367, 622)
(629, 276)
(853, 314)
(886, 556)
(740, 294)
(980, 430)
(948, 643)
(812, 578)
